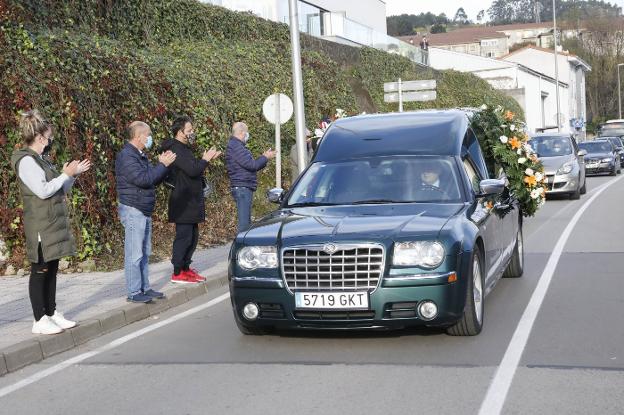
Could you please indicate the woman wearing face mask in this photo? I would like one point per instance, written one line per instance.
(186, 200)
(46, 219)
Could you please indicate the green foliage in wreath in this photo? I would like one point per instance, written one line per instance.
(506, 145)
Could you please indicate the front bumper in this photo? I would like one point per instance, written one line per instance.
(599, 168)
(562, 183)
(392, 305)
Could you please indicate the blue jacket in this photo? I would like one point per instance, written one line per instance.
(136, 179)
(241, 166)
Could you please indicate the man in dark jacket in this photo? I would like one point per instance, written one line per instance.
(136, 181)
(242, 169)
(186, 200)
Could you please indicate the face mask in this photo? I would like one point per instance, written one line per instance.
(149, 142)
(191, 138)
(246, 138)
(47, 148)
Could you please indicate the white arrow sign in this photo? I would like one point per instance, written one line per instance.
(411, 96)
(410, 85)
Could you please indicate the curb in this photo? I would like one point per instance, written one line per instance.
(34, 350)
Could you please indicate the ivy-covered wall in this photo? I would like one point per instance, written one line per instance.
(95, 65)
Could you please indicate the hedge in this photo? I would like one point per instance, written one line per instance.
(93, 66)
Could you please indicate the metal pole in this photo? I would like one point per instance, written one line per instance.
(278, 144)
(556, 66)
(297, 84)
(619, 94)
(400, 96)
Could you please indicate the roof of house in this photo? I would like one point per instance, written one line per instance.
(473, 34)
(563, 53)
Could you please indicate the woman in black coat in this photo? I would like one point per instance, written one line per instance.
(186, 200)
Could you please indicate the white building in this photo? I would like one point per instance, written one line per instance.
(352, 22)
(571, 72)
(534, 91)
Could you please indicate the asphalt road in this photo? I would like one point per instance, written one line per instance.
(571, 363)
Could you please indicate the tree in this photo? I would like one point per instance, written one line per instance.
(461, 17)
(480, 16)
(407, 24)
(511, 11)
(438, 28)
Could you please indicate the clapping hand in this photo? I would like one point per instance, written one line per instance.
(167, 158)
(269, 154)
(75, 167)
(211, 154)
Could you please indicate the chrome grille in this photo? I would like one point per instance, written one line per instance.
(333, 267)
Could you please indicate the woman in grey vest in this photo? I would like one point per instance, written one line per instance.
(46, 220)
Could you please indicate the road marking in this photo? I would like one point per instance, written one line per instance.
(115, 343)
(497, 392)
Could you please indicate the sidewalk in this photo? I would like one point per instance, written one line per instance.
(87, 296)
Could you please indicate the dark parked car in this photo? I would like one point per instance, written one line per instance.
(563, 162)
(619, 147)
(602, 157)
(387, 228)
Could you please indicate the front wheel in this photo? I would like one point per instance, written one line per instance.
(515, 268)
(471, 321)
(584, 188)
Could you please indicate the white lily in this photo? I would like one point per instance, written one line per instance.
(529, 172)
(522, 160)
(503, 139)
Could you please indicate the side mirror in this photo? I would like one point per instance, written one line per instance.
(582, 153)
(275, 195)
(491, 187)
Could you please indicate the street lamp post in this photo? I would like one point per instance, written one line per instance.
(297, 84)
(556, 66)
(619, 93)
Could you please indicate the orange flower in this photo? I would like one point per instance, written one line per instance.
(489, 204)
(530, 180)
(509, 115)
(514, 143)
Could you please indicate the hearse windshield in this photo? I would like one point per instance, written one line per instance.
(397, 179)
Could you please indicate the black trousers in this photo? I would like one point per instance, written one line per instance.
(42, 286)
(184, 244)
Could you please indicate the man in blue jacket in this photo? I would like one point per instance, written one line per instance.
(242, 169)
(136, 181)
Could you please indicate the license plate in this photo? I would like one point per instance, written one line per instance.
(341, 301)
(592, 165)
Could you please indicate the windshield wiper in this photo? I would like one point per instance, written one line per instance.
(376, 201)
(304, 204)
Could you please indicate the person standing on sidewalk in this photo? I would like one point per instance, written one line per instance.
(46, 219)
(136, 181)
(186, 200)
(242, 170)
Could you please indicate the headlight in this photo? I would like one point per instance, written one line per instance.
(426, 254)
(566, 168)
(607, 160)
(253, 257)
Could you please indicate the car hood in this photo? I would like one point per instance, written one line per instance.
(349, 223)
(598, 155)
(552, 164)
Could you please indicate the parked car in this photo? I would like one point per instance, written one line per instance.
(563, 162)
(617, 143)
(388, 227)
(602, 157)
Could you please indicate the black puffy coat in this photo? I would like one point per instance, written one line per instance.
(186, 200)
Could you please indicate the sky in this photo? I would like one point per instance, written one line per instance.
(472, 7)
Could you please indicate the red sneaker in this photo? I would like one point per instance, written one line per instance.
(192, 273)
(183, 278)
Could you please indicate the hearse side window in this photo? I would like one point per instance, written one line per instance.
(474, 149)
(473, 175)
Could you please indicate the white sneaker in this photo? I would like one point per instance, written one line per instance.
(61, 321)
(45, 326)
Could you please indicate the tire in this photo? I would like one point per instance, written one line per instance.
(515, 269)
(584, 188)
(471, 322)
(613, 172)
(575, 195)
(619, 171)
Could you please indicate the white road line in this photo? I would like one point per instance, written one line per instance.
(497, 392)
(115, 343)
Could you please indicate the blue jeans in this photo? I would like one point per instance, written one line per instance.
(137, 248)
(243, 197)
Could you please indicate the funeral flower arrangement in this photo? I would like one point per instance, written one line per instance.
(506, 145)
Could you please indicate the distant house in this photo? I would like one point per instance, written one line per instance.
(491, 41)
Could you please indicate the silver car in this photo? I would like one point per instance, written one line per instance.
(563, 162)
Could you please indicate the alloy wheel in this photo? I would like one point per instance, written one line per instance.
(477, 290)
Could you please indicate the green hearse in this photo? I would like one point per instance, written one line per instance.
(396, 222)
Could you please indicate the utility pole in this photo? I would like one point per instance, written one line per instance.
(556, 65)
(297, 84)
